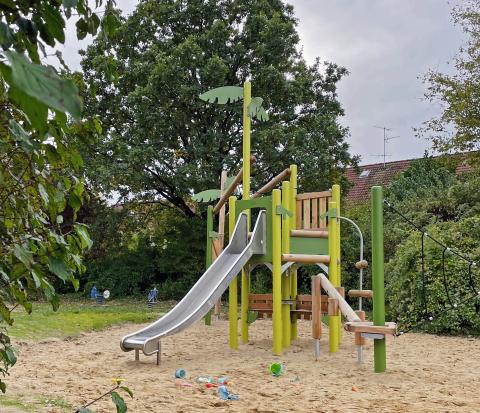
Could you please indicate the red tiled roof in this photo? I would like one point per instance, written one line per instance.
(381, 175)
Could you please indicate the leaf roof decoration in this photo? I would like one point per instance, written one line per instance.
(207, 196)
(228, 181)
(224, 94)
(256, 110)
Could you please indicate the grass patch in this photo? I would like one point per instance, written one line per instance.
(79, 315)
(19, 404)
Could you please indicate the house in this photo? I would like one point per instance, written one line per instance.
(366, 176)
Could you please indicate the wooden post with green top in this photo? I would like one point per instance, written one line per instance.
(208, 255)
(293, 225)
(336, 199)
(277, 272)
(333, 321)
(247, 98)
(233, 289)
(379, 346)
(286, 285)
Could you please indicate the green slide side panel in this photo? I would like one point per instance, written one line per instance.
(316, 246)
(265, 203)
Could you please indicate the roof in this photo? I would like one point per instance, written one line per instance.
(366, 176)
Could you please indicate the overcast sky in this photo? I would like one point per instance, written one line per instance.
(386, 45)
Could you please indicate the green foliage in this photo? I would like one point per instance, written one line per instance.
(118, 401)
(164, 143)
(140, 246)
(443, 204)
(413, 298)
(458, 126)
(39, 162)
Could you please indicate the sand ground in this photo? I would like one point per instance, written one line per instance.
(425, 373)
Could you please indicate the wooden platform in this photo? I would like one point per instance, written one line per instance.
(389, 328)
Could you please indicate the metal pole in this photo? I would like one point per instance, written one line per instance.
(379, 349)
(359, 347)
(286, 283)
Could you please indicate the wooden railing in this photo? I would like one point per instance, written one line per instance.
(310, 207)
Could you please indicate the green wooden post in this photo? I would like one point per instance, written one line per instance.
(334, 321)
(293, 225)
(245, 279)
(336, 199)
(379, 349)
(233, 288)
(277, 272)
(208, 255)
(286, 284)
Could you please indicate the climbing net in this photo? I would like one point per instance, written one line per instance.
(474, 293)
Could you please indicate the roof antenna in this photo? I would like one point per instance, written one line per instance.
(385, 140)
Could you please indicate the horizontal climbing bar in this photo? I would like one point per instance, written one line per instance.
(272, 184)
(312, 195)
(306, 258)
(360, 293)
(308, 233)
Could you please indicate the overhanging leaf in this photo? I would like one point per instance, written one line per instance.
(119, 402)
(207, 196)
(44, 84)
(59, 268)
(224, 94)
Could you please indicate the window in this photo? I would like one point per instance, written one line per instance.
(365, 173)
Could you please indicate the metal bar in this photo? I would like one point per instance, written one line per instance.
(137, 354)
(272, 184)
(159, 352)
(333, 321)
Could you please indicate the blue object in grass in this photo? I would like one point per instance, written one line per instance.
(93, 292)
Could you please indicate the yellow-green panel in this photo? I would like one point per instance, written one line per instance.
(301, 245)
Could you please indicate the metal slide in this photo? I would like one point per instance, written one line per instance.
(207, 290)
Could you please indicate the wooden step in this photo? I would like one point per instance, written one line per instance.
(309, 233)
(368, 327)
(306, 258)
(360, 293)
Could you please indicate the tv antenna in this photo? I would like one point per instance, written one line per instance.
(385, 140)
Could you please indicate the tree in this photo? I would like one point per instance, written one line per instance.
(163, 143)
(457, 128)
(40, 166)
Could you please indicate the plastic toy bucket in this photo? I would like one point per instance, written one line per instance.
(180, 373)
(276, 369)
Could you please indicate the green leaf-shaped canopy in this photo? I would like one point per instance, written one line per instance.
(224, 94)
(255, 109)
(207, 196)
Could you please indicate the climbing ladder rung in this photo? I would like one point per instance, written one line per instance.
(306, 258)
(360, 293)
(368, 327)
(309, 233)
